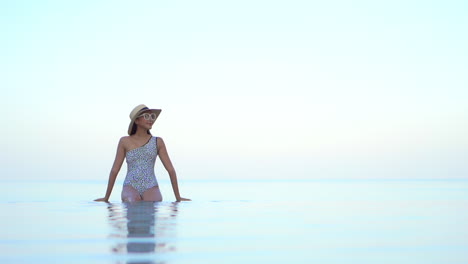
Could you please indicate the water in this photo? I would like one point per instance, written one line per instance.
(238, 222)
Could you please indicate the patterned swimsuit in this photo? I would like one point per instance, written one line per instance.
(140, 166)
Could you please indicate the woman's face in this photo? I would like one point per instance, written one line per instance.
(146, 123)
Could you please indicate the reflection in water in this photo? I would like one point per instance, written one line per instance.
(143, 231)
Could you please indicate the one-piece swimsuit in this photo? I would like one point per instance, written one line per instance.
(140, 166)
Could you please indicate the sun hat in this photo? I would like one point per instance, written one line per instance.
(137, 111)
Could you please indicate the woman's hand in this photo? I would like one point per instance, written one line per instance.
(102, 200)
(181, 199)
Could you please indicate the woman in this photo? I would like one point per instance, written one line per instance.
(140, 149)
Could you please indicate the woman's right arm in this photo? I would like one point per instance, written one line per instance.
(119, 158)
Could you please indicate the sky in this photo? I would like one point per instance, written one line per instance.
(248, 89)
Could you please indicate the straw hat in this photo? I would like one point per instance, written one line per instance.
(137, 111)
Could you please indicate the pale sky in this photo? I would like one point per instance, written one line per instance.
(249, 89)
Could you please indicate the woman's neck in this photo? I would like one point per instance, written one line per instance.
(141, 133)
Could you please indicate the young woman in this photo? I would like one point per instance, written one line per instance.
(140, 149)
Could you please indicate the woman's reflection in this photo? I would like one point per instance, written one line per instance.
(143, 230)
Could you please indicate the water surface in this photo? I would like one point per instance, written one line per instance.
(238, 222)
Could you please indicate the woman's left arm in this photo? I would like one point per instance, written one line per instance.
(166, 161)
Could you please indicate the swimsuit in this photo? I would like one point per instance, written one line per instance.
(140, 166)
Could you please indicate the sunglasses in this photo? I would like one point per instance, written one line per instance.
(148, 116)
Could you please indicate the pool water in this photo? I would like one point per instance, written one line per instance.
(353, 221)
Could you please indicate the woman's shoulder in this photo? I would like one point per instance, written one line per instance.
(160, 142)
(125, 140)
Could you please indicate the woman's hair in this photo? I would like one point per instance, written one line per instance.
(134, 129)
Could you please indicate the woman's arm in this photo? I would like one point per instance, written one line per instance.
(119, 158)
(166, 161)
